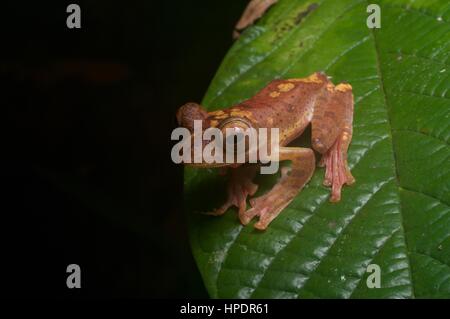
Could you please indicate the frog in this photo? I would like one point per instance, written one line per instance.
(291, 105)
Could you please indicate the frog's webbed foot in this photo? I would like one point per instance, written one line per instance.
(240, 186)
(270, 205)
(337, 172)
(331, 136)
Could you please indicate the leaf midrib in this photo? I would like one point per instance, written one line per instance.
(397, 181)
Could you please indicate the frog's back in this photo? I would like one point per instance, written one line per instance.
(286, 104)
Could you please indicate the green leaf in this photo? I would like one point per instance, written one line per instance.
(397, 213)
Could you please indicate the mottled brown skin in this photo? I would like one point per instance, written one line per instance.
(290, 105)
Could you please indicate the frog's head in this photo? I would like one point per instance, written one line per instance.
(188, 114)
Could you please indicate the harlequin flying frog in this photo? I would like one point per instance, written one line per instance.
(290, 105)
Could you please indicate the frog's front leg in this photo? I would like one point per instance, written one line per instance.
(240, 186)
(331, 136)
(268, 206)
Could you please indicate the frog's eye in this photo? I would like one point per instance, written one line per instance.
(234, 130)
(234, 122)
(236, 126)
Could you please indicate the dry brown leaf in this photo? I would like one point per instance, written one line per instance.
(254, 10)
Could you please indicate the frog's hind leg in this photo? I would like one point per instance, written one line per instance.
(331, 136)
(240, 186)
(270, 205)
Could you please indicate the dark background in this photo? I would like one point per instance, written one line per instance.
(86, 175)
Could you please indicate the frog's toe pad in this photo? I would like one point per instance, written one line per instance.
(248, 215)
(239, 188)
(266, 209)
